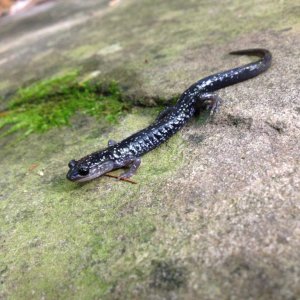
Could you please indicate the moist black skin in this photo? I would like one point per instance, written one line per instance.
(200, 94)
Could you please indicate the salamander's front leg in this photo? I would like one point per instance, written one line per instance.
(212, 102)
(134, 164)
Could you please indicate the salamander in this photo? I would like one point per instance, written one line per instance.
(128, 152)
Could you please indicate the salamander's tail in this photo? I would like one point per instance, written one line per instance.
(266, 56)
(223, 79)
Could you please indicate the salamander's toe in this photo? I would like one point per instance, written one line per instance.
(215, 105)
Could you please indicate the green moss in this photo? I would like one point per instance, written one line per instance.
(82, 241)
(51, 103)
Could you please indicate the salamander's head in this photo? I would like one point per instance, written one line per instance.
(88, 168)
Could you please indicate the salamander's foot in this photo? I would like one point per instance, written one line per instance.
(212, 102)
(214, 106)
(134, 164)
(111, 143)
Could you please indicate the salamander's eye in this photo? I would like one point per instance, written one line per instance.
(83, 171)
(72, 164)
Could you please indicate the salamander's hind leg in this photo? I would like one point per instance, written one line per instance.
(211, 101)
(134, 164)
(111, 143)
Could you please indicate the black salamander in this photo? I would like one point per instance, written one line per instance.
(128, 152)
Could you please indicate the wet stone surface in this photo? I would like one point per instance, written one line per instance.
(215, 213)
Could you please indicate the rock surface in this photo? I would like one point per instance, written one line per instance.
(215, 213)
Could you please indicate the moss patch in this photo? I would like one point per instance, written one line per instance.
(51, 103)
(90, 241)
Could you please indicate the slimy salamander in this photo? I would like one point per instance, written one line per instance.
(129, 151)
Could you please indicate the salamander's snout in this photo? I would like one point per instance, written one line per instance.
(71, 175)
